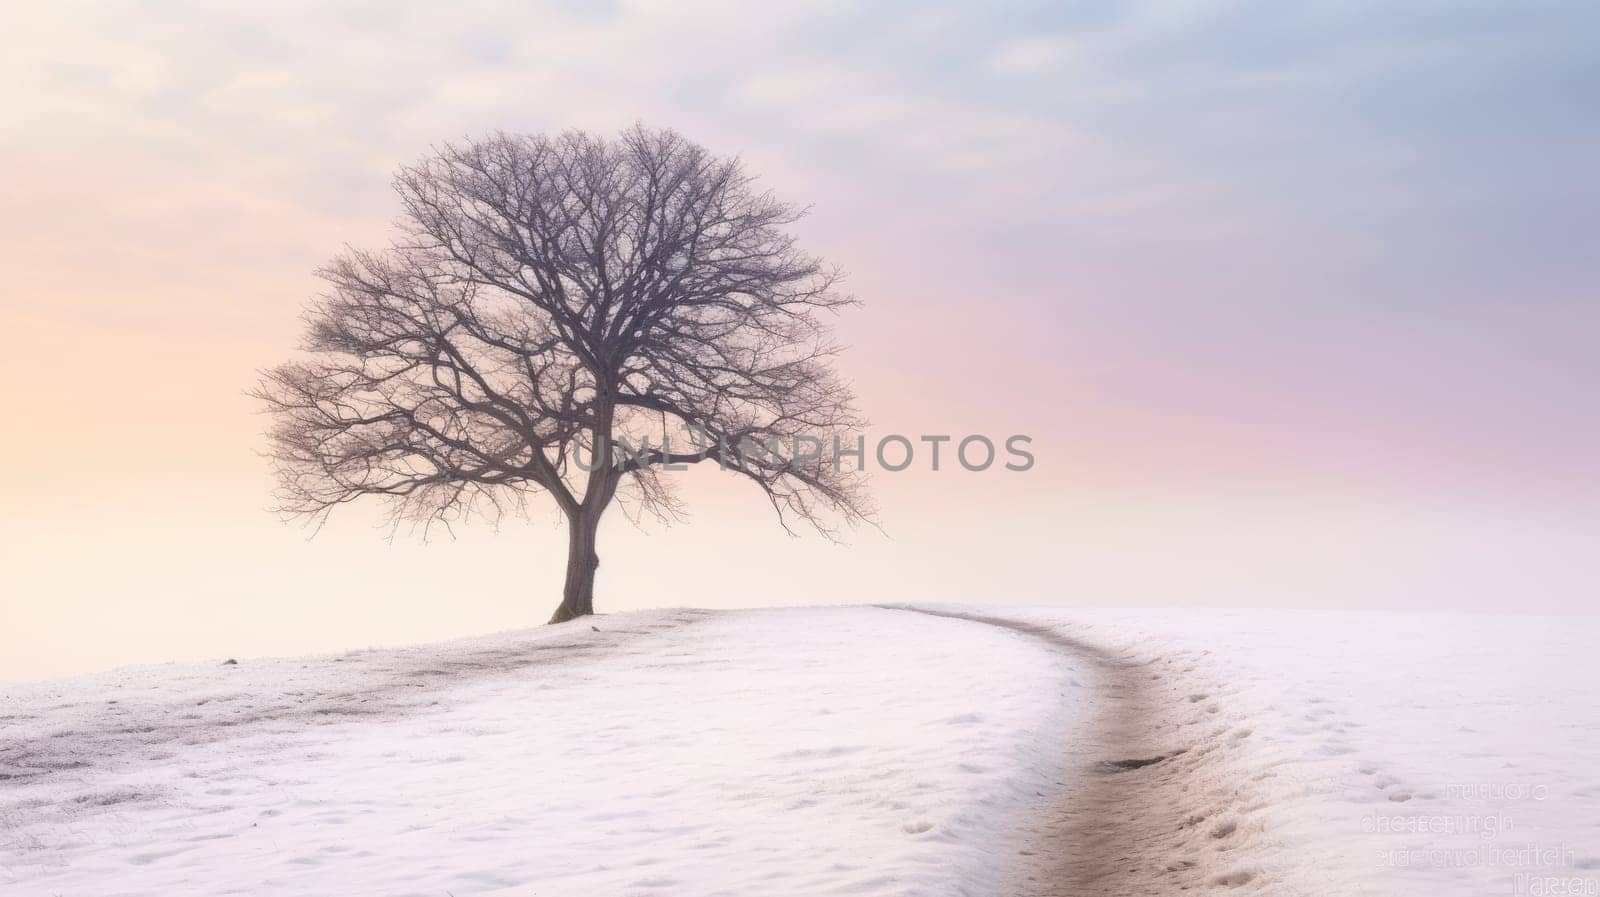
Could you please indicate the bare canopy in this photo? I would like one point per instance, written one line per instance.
(572, 315)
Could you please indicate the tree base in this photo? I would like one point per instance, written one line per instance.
(565, 613)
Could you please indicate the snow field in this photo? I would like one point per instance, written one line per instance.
(1372, 753)
(863, 750)
(831, 751)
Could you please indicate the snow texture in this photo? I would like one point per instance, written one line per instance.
(856, 751)
(829, 751)
(1364, 753)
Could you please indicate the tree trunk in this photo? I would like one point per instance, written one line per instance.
(577, 597)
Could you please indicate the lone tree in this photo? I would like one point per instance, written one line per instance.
(573, 315)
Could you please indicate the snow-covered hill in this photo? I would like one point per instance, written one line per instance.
(872, 751)
(849, 751)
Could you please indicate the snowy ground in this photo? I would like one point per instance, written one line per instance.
(1021, 752)
(1333, 753)
(848, 751)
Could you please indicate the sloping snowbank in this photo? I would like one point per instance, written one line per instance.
(1335, 753)
(808, 751)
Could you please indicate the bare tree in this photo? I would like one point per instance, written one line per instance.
(556, 313)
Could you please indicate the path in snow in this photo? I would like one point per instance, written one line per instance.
(1384, 753)
(1155, 803)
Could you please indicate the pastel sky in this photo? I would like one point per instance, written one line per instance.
(1297, 301)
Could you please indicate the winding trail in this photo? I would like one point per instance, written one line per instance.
(1147, 805)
